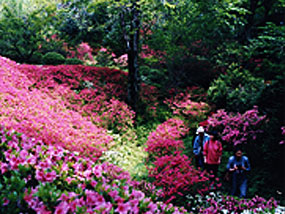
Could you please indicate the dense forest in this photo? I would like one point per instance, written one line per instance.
(100, 101)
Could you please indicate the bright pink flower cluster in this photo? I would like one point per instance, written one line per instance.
(177, 176)
(59, 181)
(237, 128)
(172, 170)
(42, 113)
(165, 139)
(93, 92)
(183, 105)
(236, 205)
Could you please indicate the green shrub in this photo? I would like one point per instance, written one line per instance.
(53, 58)
(73, 61)
(236, 91)
(36, 58)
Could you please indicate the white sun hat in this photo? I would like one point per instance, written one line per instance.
(200, 130)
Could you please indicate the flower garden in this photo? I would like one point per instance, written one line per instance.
(73, 142)
(54, 132)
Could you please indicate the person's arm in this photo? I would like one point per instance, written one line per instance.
(246, 166)
(196, 146)
(230, 166)
(205, 151)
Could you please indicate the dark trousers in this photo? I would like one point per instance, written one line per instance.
(239, 181)
(199, 160)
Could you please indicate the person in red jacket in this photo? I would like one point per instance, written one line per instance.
(212, 153)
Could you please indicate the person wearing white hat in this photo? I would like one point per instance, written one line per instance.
(199, 143)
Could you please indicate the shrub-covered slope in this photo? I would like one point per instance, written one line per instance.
(42, 113)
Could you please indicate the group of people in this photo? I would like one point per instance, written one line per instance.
(208, 152)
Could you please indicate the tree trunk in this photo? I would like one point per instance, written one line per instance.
(133, 76)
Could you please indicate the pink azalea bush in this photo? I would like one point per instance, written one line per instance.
(165, 139)
(237, 128)
(169, 168)
(51, 179)
(149, 96)
(43, 114)
(84, 51)
(93, 92)
(191, 111)
(122, 61)
(231, 204)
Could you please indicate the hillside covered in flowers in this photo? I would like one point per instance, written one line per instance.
(59, 125)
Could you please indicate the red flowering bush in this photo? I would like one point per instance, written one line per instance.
(170, 169)
(178, 178)
(184, 106)
(149, 96)
(164, 141)
(237, 128)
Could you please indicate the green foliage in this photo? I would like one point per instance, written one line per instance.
(53, 58)
(73, 61)
(82, 21)
(22, 30)
(185, 32)
(153, 76)
(236, 90)
(12, 192)
(36, 58)
(127, 155)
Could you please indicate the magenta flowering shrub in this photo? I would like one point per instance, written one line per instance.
(169, 168)
(237, 128)
(115, 115)
(236, 205)
(42, 113)
(84, 51)
(148, 53)
(106, 81)
(178, 178)
(94, 92)
(165, 139)
(40, 178)
(191, 111)
(149, 96)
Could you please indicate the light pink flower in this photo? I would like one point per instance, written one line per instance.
(123, 208)
(103, 49)
(50, 176)
(4, 167)
(62, 208)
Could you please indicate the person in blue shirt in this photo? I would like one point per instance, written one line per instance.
(238, 165)
(198, 146)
